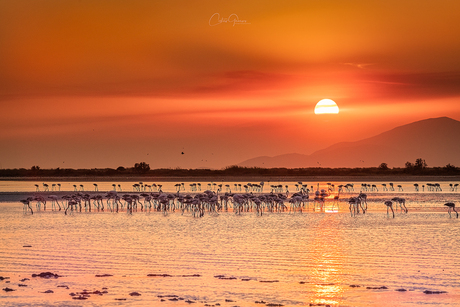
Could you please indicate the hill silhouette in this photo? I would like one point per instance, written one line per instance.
(436, 140)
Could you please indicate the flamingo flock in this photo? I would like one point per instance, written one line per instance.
(248, 197)
(197, 204)
(245, 198)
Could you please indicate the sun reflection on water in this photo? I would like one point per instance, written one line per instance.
(327, 272)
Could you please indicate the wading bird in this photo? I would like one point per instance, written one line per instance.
(389, 205)
(451, 207)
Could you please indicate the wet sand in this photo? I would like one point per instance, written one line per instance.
(62, 291)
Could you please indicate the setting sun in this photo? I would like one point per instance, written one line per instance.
(326, 106)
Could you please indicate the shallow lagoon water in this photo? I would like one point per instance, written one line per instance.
(278, 258)
(170, 186)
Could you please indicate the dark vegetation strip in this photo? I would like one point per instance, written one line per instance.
(231, 171)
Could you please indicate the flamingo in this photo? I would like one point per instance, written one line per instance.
(40, 199)
(354, 203)
(96, 188)
(318, 200)
(71, 204)
(112, 195)
(336, 200)
(295, 201)
(54, 200)
(363, 198)
(389, 205)
(451, 207)
(340, 186)
(401, 202)
(26, 203)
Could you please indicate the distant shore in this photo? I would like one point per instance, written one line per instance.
(144, 172)
(239, 178)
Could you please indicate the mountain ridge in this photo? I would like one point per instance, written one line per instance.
(437, 140)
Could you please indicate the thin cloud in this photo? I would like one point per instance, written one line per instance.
(359, 65)
(416, 85)
(244, 82)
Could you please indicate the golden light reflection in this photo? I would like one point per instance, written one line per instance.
(331, 209)
(327, 273)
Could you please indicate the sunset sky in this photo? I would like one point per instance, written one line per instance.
(95, 84)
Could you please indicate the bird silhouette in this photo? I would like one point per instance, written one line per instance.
(451, 207)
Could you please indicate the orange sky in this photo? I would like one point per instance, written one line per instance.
(87, 84)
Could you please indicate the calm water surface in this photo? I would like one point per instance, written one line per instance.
(277, 258)
(127, 186)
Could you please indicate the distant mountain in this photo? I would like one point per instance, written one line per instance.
(437, 140)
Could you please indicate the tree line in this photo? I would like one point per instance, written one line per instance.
(419, 167)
